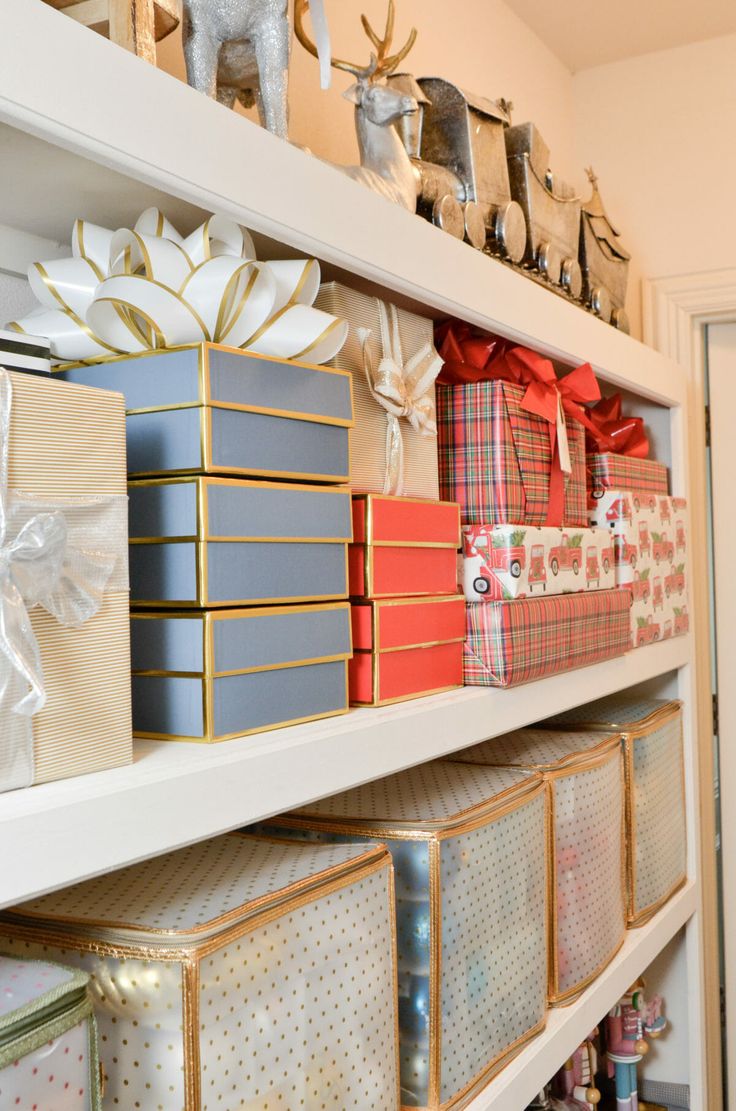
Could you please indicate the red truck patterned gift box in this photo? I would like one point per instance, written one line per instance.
(501, 562)
(510, 643)
(650, 537)
(496, 458)
(609, 471)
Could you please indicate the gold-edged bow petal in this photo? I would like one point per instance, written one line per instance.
(134, 290)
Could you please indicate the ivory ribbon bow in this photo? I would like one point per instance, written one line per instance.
(402, 389)
(61, 556)
(130, 291)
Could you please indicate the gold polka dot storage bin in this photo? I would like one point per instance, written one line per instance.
(237, 973)
(48, 1038)
(656, 832)
(468, 846)
(587, 898)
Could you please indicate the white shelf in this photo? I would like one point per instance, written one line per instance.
(567, 1027)
(111, 114)
(58, 833)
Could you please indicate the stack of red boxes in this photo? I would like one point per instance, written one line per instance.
(408, 619)
(538, 580)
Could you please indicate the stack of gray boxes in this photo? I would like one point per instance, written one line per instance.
(239, 525)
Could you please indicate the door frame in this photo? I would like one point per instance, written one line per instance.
(676, 312)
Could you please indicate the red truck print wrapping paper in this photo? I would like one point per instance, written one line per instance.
(501, 562)
(649, 533)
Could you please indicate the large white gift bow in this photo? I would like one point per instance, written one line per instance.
(402, 389)
(148, 287)
(60, 555)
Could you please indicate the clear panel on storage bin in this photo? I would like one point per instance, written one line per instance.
(658, 813)
(315, 1023)
(588, 808)
(55, 1077)
(494, 941)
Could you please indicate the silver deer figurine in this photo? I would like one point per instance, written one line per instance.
(239, 49)
(385, 165)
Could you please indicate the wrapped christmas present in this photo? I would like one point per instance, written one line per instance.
(403, 547)
(585, 777)
(205, 541)
(185, 949)
(649, 534)
(20, 351)
(406, 647)
(656, 833)
(618, 452)
(469, 847)
(515, 642)
(391, 356)
(147, 288)
(501, 562)
(65, 658)
(209, 409)
(510, 434)
(48, 1037)
(216, 674)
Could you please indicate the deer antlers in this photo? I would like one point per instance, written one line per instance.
(381, 64)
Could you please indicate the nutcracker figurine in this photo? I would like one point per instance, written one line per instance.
(626, 1027)
(575, 1081)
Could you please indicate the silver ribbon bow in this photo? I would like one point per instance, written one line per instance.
(402, 389)
(57, 555)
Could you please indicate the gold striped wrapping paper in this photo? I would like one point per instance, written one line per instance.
(368, 437)
(68, 440)
(85, 725)
(65, 440)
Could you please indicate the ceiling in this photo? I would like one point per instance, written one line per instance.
(582, 34)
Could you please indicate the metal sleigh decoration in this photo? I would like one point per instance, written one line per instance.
(604, 262)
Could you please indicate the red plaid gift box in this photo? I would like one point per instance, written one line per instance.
(515, 642)
(496, 458)
(609, 471)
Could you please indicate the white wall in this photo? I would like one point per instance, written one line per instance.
(660, 131)
(480, 44)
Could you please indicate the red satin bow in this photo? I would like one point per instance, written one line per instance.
(614, 432)
(472, 356)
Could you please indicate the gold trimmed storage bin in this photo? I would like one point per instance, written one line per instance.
(584, 776)
(48, 1038)
(211, 675)
(212, 409)
(204, 541)
(239, 972)
(656, 830)
(468, 846)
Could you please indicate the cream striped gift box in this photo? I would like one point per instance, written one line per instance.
(68, 441)
(374, 431)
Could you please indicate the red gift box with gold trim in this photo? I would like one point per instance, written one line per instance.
(403, 547)
(405, 648)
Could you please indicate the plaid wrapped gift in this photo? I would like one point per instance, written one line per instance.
(609, 471)
(495, 458)
(515, 642)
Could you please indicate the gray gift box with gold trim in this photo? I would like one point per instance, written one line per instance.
(210, 676)
(209, 409)
(204, 541)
